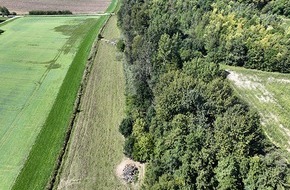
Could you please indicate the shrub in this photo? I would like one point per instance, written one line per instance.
(126, 126)
(129, 145)
(121, 45)
(39, 12)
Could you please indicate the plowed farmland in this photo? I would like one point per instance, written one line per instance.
(36, 54)
(76, 6)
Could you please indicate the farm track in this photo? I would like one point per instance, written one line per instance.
(77, 106)
(95, 147)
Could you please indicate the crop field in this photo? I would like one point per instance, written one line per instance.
(95, 148)
(269, 94)
(36, 55)
(76, 6)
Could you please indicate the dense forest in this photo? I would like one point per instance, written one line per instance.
(183, 118)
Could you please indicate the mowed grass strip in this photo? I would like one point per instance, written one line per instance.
(44, 153)
(269, 94)
(95, 147)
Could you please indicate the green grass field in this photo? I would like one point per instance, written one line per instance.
(36, 54)
(113, 6)
(269, 94)
(95, 148)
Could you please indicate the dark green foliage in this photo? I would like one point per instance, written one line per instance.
(1, 31)
(4, 11)
(39, 12)
(126, 126)
(120, 45)
(281, 7)
(188, 125)
(128, 147)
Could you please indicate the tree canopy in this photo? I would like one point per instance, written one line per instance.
(185, 121)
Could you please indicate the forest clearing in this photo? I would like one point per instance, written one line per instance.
(268, 93)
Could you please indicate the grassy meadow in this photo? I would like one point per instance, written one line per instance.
(36, 55)
(95, 148)
(268, 93)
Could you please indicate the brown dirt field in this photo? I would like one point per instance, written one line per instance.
(76, 6)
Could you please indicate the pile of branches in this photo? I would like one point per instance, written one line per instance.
(130, 173)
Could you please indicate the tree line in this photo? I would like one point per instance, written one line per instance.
(40, 12)
(5, 12)
(183, 118)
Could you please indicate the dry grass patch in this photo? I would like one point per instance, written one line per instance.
(268, 93)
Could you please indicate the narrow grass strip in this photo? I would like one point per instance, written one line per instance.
(8, 21)
(113, 6)
(43, 156)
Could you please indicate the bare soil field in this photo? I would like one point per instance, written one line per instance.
(76, 6)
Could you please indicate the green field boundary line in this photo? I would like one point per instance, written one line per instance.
(44, 157)
(9, 20)
(114, 6)
(72, 15)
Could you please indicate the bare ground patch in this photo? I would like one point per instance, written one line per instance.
(251, 83)
(121, 173)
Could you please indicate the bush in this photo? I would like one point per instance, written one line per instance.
(126, 126)
(4, 11)
(129, 145)
(121, 45)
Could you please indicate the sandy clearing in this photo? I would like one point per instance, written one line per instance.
(272, 79)
(252, 83)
